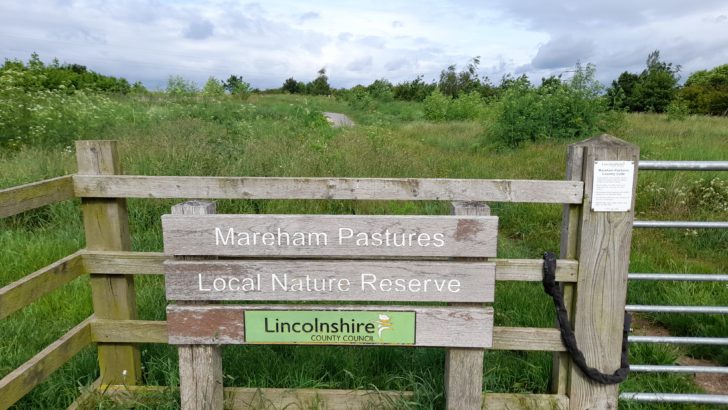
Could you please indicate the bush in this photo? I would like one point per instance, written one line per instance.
(557, 110)
(436, 106)
(466, 107)
(677, 110)
(706, 91)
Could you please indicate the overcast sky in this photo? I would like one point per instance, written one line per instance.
(360, 41)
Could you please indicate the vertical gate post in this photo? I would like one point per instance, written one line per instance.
(603, 249)
(568, 250)
(464, 367)
(200, 366)
(106, 226)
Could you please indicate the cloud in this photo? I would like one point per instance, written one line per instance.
(199, 30)
(397, 24)
(361, 64)
(562, 52)
(311, 15)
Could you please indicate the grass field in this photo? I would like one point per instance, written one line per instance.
(281, 135)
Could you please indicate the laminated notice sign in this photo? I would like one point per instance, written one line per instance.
(612, 188)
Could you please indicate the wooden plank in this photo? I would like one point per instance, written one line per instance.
(22, 380)
(531, 270)
(35, 195)
(525, 401)
(106, 226)
(527, 338)
(571, 215)
(435, 326)
(142, 331)
(272, 398)
(28, 289)
(464, 367)
(413, 189)
(601, 292)
(330, 235)
(348, 280)
(129, 331)
(151, 263)
(200, 366)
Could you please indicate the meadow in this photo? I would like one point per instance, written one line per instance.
(285, 135)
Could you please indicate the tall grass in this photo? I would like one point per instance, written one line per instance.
(286, 136)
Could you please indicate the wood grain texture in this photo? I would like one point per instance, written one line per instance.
(464, 367)
(322, 235)
(297, 280)
(200, 366)
(527, 338)
(571, 215)
(106, 225)
(28, 289)
(498, 190)
(129, 331)
(144, 331)
(151, 263)
(435, 326)
(35, 195)
(521, 401)
(603, 252)
(22, 380)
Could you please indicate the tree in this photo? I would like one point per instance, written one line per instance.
(177, 85)
(651, 91)
(213, 87)
(320, 86)
(706, 91)
(236, 86)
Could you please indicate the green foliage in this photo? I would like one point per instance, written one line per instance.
(178, 86)
(415, 90)
(237, 87)
(293, 87)
(678, 110)
(650, 91)
(213, 88)
(556, 110)
(436, 106)
(706, 91)
(381, 90)
(320, 85)
(454, 83)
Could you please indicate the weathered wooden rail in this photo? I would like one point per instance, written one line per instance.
(594, 252)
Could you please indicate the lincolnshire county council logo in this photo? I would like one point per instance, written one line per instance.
(384, 323)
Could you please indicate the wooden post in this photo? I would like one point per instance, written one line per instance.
(200, 366)
(464, 367)
(106, 226)
(569, 235)
(603, 249)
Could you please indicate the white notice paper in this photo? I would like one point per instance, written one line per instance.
(612, 189)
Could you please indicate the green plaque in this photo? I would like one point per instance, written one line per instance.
(334, 327)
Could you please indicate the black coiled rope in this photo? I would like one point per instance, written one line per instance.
(567, 334)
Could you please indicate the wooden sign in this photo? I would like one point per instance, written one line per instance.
(330, 280)
(330, 235)
(468, 327)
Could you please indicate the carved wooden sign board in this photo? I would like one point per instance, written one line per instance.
(296, 258)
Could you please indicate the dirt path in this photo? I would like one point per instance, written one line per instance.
(712, 383)
(338, 120)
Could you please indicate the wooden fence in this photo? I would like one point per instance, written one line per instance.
(593, 270)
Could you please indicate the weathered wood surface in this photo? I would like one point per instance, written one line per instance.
(106, 225)
(527, 338)
(35, 195)
(151, 263)
(144, 331)
(354, 280)
(330, 235)
(200, 366)
(129, 331)
(601, 291)
(498, 190)
(571, 215)
(464, 367)
(28, 289)
(525, 401)
(22, 380)
(435, 326)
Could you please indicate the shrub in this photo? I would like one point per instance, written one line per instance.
(555, 110)
(213, 88)
(466, 107)
(677, 110)
(706, 91)
(436, 106)
(178, 86)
